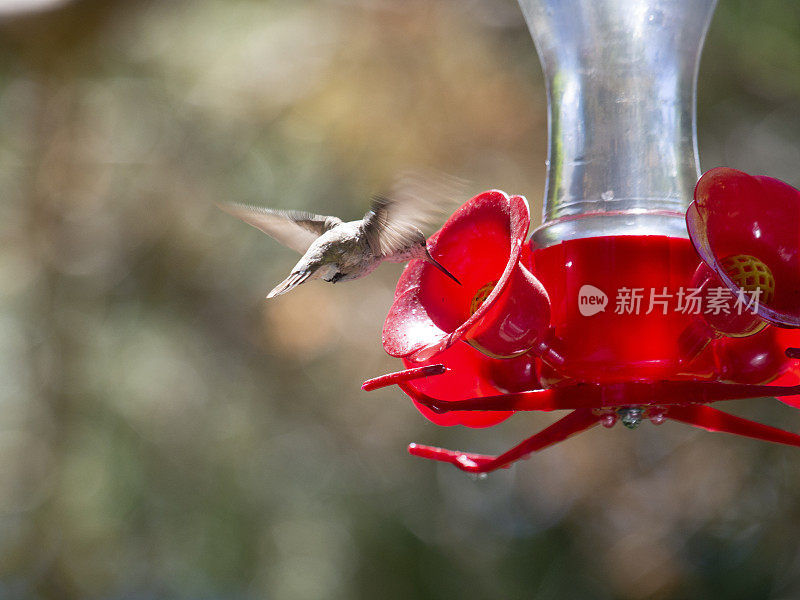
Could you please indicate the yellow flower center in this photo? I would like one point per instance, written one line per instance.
(750, 274)
(480, 297)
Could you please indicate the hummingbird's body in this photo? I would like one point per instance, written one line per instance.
(339, 254)
(334, 250)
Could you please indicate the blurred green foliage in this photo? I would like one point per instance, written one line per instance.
(165, 433)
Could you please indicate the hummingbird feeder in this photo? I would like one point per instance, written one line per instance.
(630, 302)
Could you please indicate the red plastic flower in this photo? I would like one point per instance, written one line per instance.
(500, 310)
(747, 229)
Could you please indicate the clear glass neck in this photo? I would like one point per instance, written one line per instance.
(621, 80)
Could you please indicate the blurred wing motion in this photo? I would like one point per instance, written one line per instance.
(292, 228)
(394, 221)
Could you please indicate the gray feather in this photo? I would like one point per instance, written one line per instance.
(288, 284)
(295, 229)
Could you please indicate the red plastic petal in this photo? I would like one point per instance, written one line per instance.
(481, 244)
(759, 358)
(465, 378)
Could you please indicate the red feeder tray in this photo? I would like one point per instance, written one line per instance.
(605, 327)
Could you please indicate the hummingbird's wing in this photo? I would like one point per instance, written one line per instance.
(385, 232)
(292, 228)
(393, 222)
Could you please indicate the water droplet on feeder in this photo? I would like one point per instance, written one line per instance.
(608, 420)
(631, 417)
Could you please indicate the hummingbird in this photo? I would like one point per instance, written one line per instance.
(334, 250)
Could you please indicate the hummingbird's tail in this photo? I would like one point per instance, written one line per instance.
(439, 266)
(291, 282)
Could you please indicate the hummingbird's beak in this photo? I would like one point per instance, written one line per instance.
(439, 266)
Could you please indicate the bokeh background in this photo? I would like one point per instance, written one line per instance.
(166, 433)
